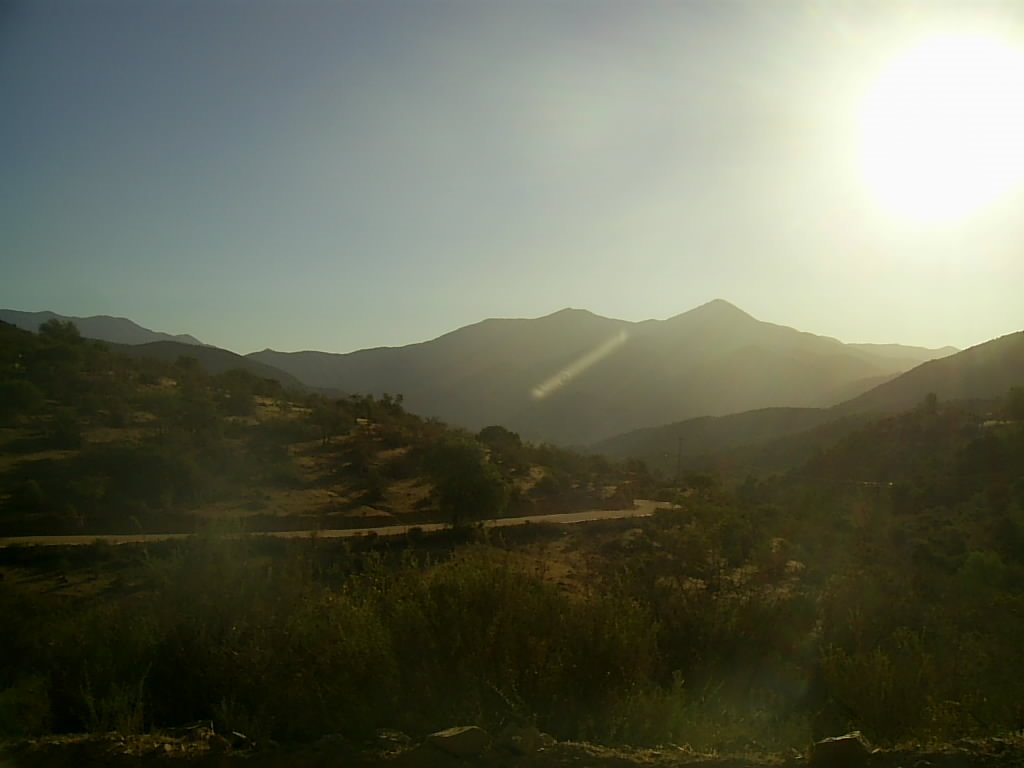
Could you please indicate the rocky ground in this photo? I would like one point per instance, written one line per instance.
(468, 747)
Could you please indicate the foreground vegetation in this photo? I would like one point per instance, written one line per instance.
(762, 615)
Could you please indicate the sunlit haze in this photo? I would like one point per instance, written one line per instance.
(944, 127)
(337, 175)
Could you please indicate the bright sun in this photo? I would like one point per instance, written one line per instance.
(942, 130)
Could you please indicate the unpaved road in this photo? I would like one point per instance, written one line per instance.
(641, 508)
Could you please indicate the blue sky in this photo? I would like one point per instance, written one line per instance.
(336, 175)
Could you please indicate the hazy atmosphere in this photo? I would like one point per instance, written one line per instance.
(349, 174)
(511, 384)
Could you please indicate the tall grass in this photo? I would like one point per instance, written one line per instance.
(289, 648)
(678, 640)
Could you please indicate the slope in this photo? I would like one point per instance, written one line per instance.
(983, 371)
(777, 437)
(117, 330)
(575, 377)
(101, 438)
(213, 359)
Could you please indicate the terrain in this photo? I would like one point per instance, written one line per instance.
(201, 746)
(877, 587)
(101, 438)
(574, 377)
(213, 360)
(777, 438)
(118, 330)
(875, 583)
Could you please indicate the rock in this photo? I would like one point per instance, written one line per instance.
(391, 738)
(238, 740)
(217, 743)
(846, 751)
(519, 740)
(199, 731)
(463, 741)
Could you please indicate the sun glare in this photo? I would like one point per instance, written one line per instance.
(942, 130)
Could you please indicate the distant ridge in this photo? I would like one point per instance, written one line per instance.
(118, 330)
(574, 377)
(979, 373)
(214, 359)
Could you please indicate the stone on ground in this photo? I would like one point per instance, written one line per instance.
(847, 751)
(519, 740)
(462, 741)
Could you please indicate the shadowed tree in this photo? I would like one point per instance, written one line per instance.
(467, 486)
(61, 331)
(1015, 404)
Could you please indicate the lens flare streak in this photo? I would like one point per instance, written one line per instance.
(578, 366)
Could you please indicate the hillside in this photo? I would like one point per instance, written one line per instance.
(117, 330)
(575, 377)
(983, 371)
(98, 438)
(877, 588)
(663, 446)
(780, 437)
(758, 615)
(213, 359)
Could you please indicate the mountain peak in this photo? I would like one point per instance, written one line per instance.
(720, 305)
(572, 314)
(569, 311)
(716, 309)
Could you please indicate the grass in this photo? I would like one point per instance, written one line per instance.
(294, 639)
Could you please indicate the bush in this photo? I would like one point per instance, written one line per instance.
(25, 708)
(65, 431)
(18, 400)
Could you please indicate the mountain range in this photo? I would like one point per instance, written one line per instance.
(117, 330)
(213, 359)
(574, 377)
(777, 437)
(707, 380)
(134, 340)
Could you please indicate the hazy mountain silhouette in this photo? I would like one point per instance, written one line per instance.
(707, 434)
(576, 377)
(214, 359)
(118, 330)
(981, 372)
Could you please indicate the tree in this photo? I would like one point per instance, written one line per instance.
(65, 431)
(1015, 404)
(196, 413)
(189, 375)
(237, 388)
(506, 448)
(497, 436)
(931, 403)
(466, 485)
(18, 398)
(331, 417)
(62, 331)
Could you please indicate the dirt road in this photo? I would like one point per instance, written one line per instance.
(641, 508)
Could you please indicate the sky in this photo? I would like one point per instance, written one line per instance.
(339, 175)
